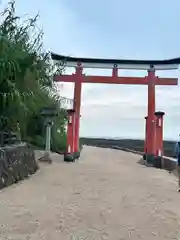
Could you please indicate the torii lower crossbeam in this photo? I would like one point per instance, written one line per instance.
(115, 80)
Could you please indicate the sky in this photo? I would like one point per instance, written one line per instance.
(114, 29)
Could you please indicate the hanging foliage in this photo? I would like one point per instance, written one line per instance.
(26, 79)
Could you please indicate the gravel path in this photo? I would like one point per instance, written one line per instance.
(104, 195)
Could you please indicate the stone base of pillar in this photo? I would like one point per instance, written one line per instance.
(77, 155)
(69, 157)
(158, 162)
(149, 160)
(46, 158)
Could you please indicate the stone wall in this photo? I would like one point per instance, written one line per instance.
(17, 162)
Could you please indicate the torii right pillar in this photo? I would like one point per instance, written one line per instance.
(77, 107)
(150, 137)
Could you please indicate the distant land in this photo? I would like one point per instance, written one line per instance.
(134, 144)
(125, 138)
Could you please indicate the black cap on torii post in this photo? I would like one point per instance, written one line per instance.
(159, 113)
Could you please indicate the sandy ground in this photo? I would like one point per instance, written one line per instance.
(105, 195)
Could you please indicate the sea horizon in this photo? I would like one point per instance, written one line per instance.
(126, 138)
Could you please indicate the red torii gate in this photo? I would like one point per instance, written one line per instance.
(78, 78)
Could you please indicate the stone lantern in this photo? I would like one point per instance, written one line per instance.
(48, 113)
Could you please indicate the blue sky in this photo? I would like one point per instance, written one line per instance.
(114, 29)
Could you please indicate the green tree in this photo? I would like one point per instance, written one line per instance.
(26, 79)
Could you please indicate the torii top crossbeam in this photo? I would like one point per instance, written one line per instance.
(115, 64)
(168, 64)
